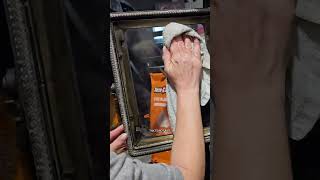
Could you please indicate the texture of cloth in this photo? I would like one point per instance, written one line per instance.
(309, 10)
(171, 31)
(122, 167)
(304, 85)
(304, 89)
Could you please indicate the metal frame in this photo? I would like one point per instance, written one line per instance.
(50, 100)
(28, 89)
(122, 72)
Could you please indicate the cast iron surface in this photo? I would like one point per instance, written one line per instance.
(158, 14)
(28, 89)
(48, 89)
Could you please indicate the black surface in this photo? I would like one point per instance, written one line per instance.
(305, 155)
(12, 109)
(87, 27)
(6, 59)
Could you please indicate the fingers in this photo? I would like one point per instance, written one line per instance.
(116, 132)
(187, 42)
(181, 46)
(166, 56)
(176, 45)
(119, 144)
(121, 150)
(196, 49)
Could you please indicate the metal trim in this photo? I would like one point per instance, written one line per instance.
(158, 14)
(28, 89)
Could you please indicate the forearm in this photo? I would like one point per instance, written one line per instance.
(188, 146)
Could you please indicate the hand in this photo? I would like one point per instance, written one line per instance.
(118, 140)
(183, 65)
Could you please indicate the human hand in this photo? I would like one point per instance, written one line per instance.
(118, 140)
(183, 65)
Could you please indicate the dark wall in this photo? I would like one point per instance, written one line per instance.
(89, 42)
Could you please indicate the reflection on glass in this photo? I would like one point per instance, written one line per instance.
(145, 52)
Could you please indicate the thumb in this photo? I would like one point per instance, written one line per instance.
(116, 132)
(119, 142)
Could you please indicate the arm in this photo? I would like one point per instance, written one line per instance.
(250, 42)
(188, 146)
(183, 67)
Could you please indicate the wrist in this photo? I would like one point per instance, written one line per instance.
(188, 93)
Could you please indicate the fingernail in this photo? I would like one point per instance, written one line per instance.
(164, 48)
(124, 136)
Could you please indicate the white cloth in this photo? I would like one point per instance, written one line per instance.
(173, 30)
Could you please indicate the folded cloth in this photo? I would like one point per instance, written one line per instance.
(304, 88)
(308, 10)
(171, 31)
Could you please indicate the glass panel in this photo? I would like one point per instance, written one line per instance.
(145, 57)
